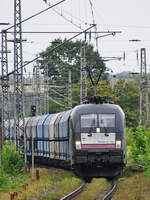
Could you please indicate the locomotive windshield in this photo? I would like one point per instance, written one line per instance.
(100, 120)
(88, 121)
(106, 120)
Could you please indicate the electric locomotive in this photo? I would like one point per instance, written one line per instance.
(98, 143)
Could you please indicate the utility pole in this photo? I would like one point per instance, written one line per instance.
(18, 76)
(83, 84)
(69, 90)
(144, 108)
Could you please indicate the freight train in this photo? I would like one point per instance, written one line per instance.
(90, 138)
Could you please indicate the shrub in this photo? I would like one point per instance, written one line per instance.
(139, 145)
(12, 162)
(3, 178)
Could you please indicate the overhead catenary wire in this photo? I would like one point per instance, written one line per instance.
(124, 26)
(71, 21)
(99, 24)
(64, 32)
(54, 48)
(96, 35)
(57, 93)
(61, 95)
(52, 6)
(27, 20)
(50, 98)
(66, 18)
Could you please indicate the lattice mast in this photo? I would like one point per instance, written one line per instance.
(83, 84)
(46, 83)
(5, 90)
(144, 108)
(18, 75)
(37, 89)
(69, 90)
(5, 84)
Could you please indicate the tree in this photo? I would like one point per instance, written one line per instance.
(128, 94)
(62, 56)
(125, 94)
(67, 56)
(104, 88)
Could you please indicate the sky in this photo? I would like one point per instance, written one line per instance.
(131, 18)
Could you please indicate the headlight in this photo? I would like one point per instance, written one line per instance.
(118, 144)
(78, 144)
(98, 130)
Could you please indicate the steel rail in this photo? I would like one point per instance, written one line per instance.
(74, 193)
(110, 192)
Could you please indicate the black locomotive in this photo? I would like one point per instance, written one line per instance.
(98, 131)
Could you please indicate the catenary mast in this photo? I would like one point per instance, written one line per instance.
(144, 108)
(83, 84)
(18, 75)
(5, 89)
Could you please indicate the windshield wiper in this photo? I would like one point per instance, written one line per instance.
(91, 127)
(106, 131)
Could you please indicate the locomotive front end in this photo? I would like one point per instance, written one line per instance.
(99, 140)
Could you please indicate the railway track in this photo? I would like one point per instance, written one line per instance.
(74, 193)
(108, 195)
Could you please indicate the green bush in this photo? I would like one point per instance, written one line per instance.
(3, 178)
(12, 162)
(138, 141)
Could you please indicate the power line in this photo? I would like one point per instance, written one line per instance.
(57, 93)
(55, 48)
(36, 14)
(50, 98)
(65, 18)
(104, 25)
(124, 26)
(96, 35)
(72, 16)
(64, 32)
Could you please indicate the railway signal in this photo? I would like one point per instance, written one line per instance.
(33, 110)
